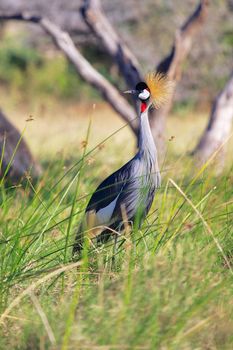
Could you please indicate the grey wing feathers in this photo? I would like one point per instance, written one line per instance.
(128, 190)
(110, 188)
(137, 195)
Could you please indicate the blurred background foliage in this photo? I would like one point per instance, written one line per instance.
(28, 71)
(33, 67)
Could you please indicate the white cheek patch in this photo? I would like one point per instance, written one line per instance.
(144, 95)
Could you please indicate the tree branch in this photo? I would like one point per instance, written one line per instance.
(219, 125)
(184, 36)
(64, 42)
(172, 65)
(96, 20)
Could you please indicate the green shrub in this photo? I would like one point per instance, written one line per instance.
(30, 72)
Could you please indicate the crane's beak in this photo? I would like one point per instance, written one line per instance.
(130, 92)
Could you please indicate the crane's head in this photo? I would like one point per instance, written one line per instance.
(141, 90)
(156, 90)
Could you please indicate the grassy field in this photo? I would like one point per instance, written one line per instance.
(171, 284)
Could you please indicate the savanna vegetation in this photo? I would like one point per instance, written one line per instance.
(170, 286)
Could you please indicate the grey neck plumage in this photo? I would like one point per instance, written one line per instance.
(146, 141)
(147, 148)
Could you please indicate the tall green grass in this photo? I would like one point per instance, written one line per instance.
(169, 288)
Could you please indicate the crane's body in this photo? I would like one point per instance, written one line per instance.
(128, 193)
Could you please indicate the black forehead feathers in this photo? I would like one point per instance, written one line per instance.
(141, 86)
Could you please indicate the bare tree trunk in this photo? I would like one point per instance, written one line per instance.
(16, 158)
(96, 20)
(219, 125)
(172, 66)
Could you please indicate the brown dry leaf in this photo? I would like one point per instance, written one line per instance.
(188, 226)
(101, 146)
(90, 161)
(30, 118)
(83, 143)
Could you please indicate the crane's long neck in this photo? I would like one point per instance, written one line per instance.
(147, 148)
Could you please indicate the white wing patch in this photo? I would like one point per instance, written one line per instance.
(104, 215)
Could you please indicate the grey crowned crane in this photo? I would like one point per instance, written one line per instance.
(128, 193)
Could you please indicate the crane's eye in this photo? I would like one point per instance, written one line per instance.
(144, 94)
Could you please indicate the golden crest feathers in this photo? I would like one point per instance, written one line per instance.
(160, 87)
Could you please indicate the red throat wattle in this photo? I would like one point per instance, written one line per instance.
(143, 106)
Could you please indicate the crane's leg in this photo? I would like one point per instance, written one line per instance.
(116, 237)
(78, 245)
(114, 249)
